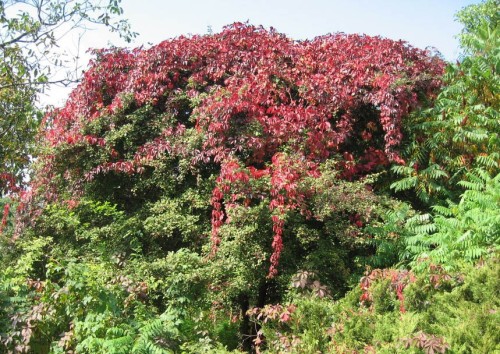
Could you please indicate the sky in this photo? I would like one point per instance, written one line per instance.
(422, 23)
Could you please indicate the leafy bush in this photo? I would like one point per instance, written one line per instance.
(467, 231)
(445, 312)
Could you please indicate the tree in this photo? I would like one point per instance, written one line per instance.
(244, 107)
(30, 31)
(461, 131)
(454, 154)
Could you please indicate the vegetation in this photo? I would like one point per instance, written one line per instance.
(244, 192)
(31, 60)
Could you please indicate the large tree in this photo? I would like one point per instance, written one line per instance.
(247, 113)
(244, 148)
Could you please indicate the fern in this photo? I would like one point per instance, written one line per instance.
(404, 184)
(152, 339)
(489, 161)
(119, 340)
(467, 231)
(161, 335)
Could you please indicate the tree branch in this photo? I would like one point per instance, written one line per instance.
(64, 82)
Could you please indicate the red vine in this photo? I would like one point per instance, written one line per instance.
(252, 94)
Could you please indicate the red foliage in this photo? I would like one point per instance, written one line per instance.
(399, 280)
(256, 91)
(286, 195)
(8, 183)
(5, 215)
(229, 175)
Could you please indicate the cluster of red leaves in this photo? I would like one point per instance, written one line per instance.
(273, 312)
(14, 192)
(286, 194)
(268, 313)
(25, 323)
(430, 344)
(439, 276)
(399, 279)
(8, 183)
(305, 280)
(256, 91)
(230, 174)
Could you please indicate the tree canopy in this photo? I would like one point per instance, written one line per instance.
(250, 108)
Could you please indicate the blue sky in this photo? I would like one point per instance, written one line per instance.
(423, 23)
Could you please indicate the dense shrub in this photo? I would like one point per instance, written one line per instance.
(445, 312)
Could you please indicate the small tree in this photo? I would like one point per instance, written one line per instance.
(461, 131)
(29, 53)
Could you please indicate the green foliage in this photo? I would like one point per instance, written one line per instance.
(179, 279)
(445, 312)
(462, 307)
(240, 264)
(461, 131)
(18, 125)
(80, 271)
(361, 228)
(30, 59)
(475, 19)
(177, 222)
(467, 231)
(121, 254)
(95, 228)
(99, 306)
